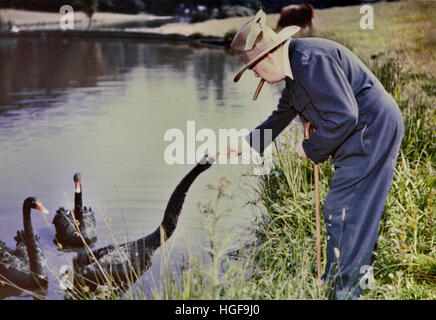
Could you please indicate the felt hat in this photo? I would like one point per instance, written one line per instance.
(255, 39)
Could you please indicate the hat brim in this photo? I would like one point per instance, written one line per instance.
(282, 36)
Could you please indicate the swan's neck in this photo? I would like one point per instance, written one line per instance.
(172, 212)
(32, 249)
(78, 204)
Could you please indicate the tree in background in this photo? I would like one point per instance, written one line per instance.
(166, 7)
(212, 5)
(89, 8)
(123, 6)
(252, 4)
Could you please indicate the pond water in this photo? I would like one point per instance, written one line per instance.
(102, 107)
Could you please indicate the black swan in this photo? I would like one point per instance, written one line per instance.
(124, 263)
(72, 226)
(26, 266)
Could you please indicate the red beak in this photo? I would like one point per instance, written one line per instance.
(78, 187)
(41, 208)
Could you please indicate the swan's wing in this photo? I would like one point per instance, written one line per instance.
(88, 216)
(12, 268)
(112, 264)
(64, 221)
(65, 225)
(40, 254)
(15, 270)
(7, 258)
(87, 225)
(86, 258)
(63, 218)
(4, 249)
(21, 249)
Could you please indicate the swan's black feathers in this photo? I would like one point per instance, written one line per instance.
(21, 249)
(3, 250)
(15, 266)
(87, 225)
(124, 264)
(67, 227)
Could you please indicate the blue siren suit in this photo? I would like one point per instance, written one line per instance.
(361, 127)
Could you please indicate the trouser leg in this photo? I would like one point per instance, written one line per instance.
(352, 216)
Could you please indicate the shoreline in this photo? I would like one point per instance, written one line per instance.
(143, 22)
(37, 20)
(213, 42)
(117, 26)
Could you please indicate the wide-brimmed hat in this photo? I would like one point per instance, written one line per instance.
(255, 39)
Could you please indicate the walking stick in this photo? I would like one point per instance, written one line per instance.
(317, 215)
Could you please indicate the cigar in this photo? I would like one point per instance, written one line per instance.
(259, 87)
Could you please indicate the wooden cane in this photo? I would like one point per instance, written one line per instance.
(317, 214)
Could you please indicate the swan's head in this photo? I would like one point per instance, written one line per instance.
(77, 185)
(77, 177)
(34, 203)
(206, 162)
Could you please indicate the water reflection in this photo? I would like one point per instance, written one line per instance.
(34, 67)
(35, 73)
(48, 64)
(209, 74)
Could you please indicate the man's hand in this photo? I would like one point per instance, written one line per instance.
(234, 149)
(230, 154)
(238, 147)
(299, 149)
(214, 156)
(233, 153)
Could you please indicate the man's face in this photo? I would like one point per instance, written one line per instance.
(270, 68)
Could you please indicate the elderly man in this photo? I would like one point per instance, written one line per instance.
(357, 123)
